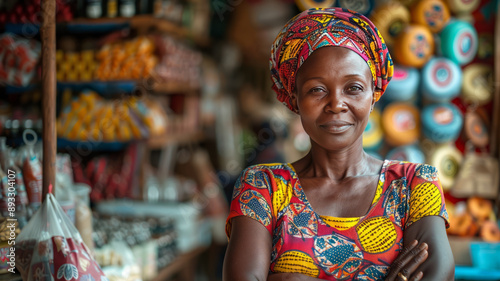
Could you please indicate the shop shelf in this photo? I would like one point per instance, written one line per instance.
(106, 25)
(167, 88)
(111, 88)
(140, 22)
(25, 29)
(177, 138)
(9, 89)
(104, 88)
(88, 146)
(96, 26)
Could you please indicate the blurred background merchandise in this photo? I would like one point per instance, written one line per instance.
(162, 103)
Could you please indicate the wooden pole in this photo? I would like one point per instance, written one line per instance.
(495, 136)
(494, 144)
(48, 35)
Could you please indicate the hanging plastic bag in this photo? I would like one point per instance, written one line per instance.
(50, 248)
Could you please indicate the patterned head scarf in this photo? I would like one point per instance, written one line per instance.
(316, 28)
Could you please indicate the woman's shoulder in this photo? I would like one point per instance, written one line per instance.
(409, 169)
(266, 168)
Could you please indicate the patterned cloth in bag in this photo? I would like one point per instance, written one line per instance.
(50, 248)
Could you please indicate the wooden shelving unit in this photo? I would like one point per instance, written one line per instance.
(178, 138)
(142, 23)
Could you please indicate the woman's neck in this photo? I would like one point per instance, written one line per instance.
(337, 165)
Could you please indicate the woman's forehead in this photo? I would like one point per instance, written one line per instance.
(338, 59)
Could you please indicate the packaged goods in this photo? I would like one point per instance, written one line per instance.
(91, 118)
(32, 172)
(50, 248)
(18, 59)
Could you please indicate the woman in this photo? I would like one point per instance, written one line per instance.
(337, 213)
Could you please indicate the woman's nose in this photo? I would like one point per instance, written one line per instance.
(336, 103)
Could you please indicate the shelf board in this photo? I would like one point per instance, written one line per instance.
(179, 263)
(108, 25)
(104, 88)
(66, 144)
(167, 88)
(141, 22)
(110, 88)
(178, 138)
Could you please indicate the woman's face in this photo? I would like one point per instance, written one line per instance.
(334, 96)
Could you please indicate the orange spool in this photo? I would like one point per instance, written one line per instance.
(490, 232)
(401, 123)
(414, 46)
(432, 13)
(479, 208)
(464, 225)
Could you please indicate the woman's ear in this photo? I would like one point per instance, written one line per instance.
(293, 102)
(373, 102)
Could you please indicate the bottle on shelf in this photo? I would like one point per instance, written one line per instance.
(127, 8)
(110, 8)
(32, 171)
(93, 9)
(157, 8)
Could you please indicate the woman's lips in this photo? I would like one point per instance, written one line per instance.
(336, 127)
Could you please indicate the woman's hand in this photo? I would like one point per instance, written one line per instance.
(404, 266)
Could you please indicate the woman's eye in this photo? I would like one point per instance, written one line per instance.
(316, 90)
(354, 89)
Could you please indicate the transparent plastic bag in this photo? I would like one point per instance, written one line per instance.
(50, 248)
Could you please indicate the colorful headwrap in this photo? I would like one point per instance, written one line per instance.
(316, 28)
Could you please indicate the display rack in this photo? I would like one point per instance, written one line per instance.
(49, 87)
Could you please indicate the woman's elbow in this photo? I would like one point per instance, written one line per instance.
(242, 276)
(440, 269)
(232, 272)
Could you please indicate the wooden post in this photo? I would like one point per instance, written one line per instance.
(48, 35)
(494, 144)
(495, 131)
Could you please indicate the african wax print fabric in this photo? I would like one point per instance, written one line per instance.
(333, 248)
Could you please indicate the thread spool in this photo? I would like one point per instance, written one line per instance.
(414, 46)
(458, 42)
(401, 123)
(441, 80)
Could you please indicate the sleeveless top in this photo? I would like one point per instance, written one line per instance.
(336, 248)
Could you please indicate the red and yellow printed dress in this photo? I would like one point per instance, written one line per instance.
(360, 248)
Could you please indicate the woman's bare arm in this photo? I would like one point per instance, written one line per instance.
(439, 264)
(248, 252)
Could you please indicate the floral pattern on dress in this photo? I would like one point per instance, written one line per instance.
(255, 206)
(302, 221)
(338, 256)
(395, 201)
